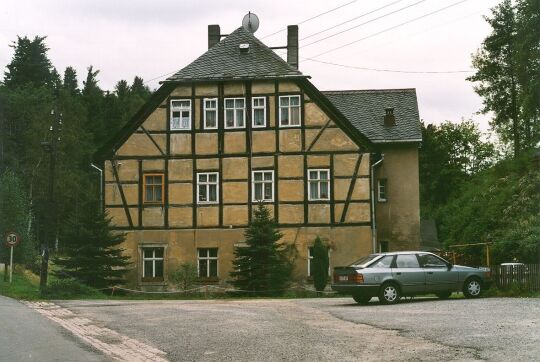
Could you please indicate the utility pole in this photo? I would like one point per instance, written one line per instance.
(50, 220)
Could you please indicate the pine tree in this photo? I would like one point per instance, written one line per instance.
(30, 65)
(91, 251)
(261, 265)
(320, 264)
(70, 83)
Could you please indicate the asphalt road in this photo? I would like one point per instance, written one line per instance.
(25, 335)
(326, 329)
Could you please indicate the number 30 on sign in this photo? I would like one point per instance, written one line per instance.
(12, 239)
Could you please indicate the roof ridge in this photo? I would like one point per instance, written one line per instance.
(380, 90)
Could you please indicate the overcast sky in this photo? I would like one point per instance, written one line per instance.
(152, 38)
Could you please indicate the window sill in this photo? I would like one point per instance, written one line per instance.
(153, 281)
(382, 201)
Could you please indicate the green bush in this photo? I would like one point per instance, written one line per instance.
(66, 288)
(320, 264)
(185, 277)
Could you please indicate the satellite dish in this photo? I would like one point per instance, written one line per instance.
(250, 22)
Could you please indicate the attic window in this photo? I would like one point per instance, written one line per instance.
(244, 48)
(389, 118)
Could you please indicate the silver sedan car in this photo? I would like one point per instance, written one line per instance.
(390, 276)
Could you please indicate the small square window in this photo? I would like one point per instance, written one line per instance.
(235, 111)
(382, 190)
(259, 112)
(319, 185)
(181, 114)
(210, 110)
(263, 186)
(153, 188)
(207, 188)
(289, 111)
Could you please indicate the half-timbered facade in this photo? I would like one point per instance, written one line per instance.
(236, 127)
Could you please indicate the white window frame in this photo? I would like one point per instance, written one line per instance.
(205, 126)
(234, 109)
(208, 183)
(175, 109)
(318, 181)
(153, 259)
(208, 258)
(263, 181)
(254, 107)
(289, 125)
(384, 188)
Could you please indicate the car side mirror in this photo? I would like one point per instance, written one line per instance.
(450, 266)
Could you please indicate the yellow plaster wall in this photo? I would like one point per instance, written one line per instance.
(180, 217)
(235, 168)
(180, 143)
(290, 140)
(263, 141)
(263, 87)
(182, 91)
(291, 190)
(206, 143)
(210, 90)
(157, 120)
(235, 215)
(291, 166)
(180, 193)
(235, 142)
(235, 192)
(208, 216)
(181, 170)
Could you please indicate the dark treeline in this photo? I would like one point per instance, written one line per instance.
(34, 97)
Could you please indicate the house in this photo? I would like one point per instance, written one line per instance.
(238, 126)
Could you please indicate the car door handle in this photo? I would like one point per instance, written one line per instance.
(430, 272)
(399, 273)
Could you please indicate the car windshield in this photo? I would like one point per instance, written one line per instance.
(365, 260)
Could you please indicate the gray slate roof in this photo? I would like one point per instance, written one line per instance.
(365, 109)
(225, 61)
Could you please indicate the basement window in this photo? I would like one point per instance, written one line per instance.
(235, 112)
(181, 114)
(289, 111)
(207, 262)
(152, 264)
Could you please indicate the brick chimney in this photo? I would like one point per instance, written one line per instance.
(389, 118)
(214, 35)
(292, 45)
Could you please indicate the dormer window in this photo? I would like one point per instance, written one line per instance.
(389, 119)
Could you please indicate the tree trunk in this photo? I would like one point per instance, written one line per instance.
(515, 120)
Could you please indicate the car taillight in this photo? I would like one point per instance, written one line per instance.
(357, 278)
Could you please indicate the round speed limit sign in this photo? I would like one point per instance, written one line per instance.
(12, 239)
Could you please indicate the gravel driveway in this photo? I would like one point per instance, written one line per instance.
(326, 329)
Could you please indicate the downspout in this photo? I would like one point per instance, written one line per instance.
(373, 219)
(100, 183)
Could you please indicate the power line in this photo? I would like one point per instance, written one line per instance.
(364, 23)
(391, 28)
(313, 17)
(389, 70)
(348, 21)
(160, 76)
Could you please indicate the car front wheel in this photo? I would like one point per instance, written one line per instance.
(472, 288)
(361, 299)
(389, 293)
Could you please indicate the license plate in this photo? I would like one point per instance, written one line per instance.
(343, 278)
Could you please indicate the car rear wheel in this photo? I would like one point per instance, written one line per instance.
(361, 299)
(443, 295)
(472, 288)
(389, 293)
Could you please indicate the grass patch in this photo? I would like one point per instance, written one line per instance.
(25, 285)
(513, 292)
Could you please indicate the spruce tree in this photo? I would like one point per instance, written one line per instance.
(320, 264)
(91, 252)
(261, 265)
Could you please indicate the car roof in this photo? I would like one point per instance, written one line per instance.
(402, 253)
